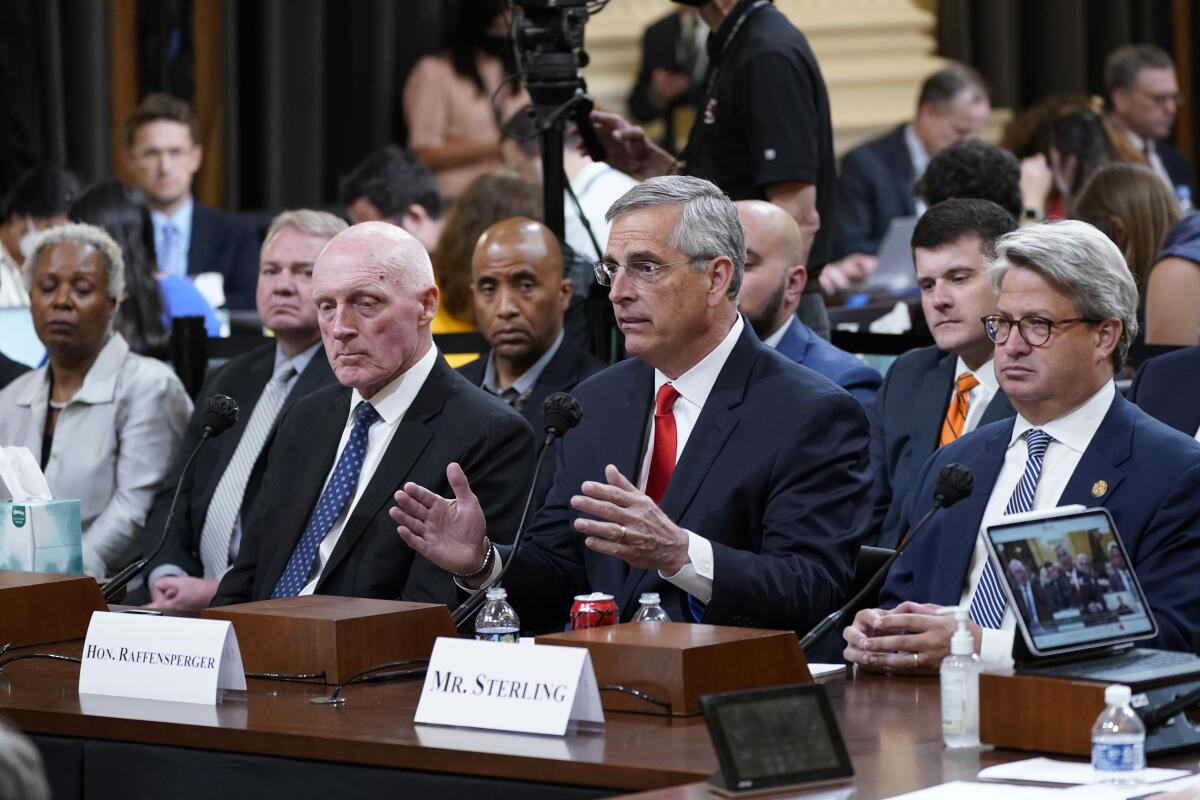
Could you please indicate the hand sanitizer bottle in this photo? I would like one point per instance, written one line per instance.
(960, 687)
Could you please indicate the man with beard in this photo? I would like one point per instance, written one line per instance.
(771, 290)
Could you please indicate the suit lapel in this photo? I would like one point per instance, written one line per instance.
(408, 442)
(713, 428)
(249, 387)
(932, 398)
(999, 408)
(795, 342)
(201, 237)
(325, 433)
(1098, 467)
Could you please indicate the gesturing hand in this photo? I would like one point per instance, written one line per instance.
(631, 526)
(447, 532)
(628, 147)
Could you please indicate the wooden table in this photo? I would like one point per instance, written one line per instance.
(891, 726)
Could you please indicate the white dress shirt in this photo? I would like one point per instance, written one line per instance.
(979, 397)
(919, 157)
(694, 386)
(1151, 152)
(1072, 434)
(12, 283)
(392, 402)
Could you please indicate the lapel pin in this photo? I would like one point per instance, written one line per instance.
(1099, 488)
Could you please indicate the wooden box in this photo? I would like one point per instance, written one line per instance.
(41, 607)
(335, 635)
(679, 662)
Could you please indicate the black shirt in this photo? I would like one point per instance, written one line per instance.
(766, 119)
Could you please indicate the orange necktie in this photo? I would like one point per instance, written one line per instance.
(960, 404)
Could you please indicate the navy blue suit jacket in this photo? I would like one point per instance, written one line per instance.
(874, 187)
(1176, 165)
(226, 244)
(807, 349)
(1167, 387)
(775, 475)
(906, 423)
(1153, 477)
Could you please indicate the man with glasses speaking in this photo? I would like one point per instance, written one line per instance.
(1066, 314)
(707, 468)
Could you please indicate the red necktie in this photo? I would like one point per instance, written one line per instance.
(662, 460)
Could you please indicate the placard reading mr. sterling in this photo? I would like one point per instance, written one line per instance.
(160, 658)
(509, 687)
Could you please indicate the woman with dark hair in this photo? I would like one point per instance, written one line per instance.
(452, 126)
(154, 298)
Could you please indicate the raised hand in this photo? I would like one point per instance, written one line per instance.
(628, 148)
(450, 533)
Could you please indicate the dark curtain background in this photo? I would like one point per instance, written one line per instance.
(1029, 49)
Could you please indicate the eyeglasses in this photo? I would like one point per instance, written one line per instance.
(1163, 98)
(1036, 331)
(642, 273)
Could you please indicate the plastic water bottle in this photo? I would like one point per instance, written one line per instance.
(497, 621)
(960, 687)
(1184, 195)
(651, 610)
(1118, 740)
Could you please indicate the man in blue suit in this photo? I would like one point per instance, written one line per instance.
(875, 184)
(1167, 387)
(774, 280)
(707, 468)
(933, 395)
(1066, 314)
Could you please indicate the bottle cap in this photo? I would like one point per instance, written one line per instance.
(649, 599)
(962, 643)
(1117, 695)
(497, 593)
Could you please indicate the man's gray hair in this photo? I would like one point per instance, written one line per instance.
(1083, 264)
(305, 220)
(82, 233)
(21, 772)
(709, 226)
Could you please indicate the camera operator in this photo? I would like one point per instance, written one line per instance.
(760, 68)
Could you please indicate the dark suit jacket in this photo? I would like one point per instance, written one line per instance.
(1153, 477)
(659, 52)
(906, 423)
(807, 349)
(449, 420)
(9, 370)
(874, 187)
(1045, 613)
(1167, 387)
(224, 243)
(780, 494)
(1175, 165)
(242, 378)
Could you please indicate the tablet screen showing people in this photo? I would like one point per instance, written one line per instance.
(1070, 580)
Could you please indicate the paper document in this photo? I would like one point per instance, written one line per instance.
(1049, 770)
(957, 790)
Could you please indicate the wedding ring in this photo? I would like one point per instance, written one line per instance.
(916, 660)
(621, 538)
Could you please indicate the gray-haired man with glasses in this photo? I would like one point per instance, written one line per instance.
(707, 468)
(1065, 290)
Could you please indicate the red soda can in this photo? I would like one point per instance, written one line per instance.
(593, 611)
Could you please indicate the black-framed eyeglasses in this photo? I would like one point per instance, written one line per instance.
(1036, 331)
(643, 273)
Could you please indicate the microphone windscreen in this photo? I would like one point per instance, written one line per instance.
(220, 413)
(955, 482)
(561, 412)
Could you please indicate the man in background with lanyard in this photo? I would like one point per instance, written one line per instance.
(760, 68)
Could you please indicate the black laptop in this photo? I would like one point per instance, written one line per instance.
(1078, 605)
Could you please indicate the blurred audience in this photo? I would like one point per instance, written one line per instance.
(154, 298)
(454, 99)
(102, 421)
(1165, 387)
(10, 370)
(973, 170)
(214, 249)
(1173, 288)
(392, 186)
(1143, 99)
(38, 201)
(670, 78)
(22, 776)
(876, 180)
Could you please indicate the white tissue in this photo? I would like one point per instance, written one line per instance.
(22, 476)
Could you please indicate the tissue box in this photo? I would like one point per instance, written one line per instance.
(41, 536)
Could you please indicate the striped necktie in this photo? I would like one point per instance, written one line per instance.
(987, 606)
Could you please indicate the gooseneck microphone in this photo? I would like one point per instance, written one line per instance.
(220, 414)
(560, 413)
(955, 482)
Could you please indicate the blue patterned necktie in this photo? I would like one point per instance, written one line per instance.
(337, 493)
(987, 606)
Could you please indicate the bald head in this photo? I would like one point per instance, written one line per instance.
(775, 274)
(519, 292)
(376, 299)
